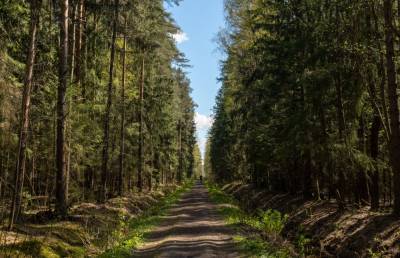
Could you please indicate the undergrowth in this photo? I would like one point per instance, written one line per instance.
(35, 248)
(268, 223)
(139, 226)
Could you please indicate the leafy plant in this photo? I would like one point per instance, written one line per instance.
(273, 221)
(301, 243)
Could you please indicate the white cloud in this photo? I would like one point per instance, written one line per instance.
(202, 141)
(203, 122)
(180, 37)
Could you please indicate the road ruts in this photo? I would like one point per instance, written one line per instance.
(191, 228)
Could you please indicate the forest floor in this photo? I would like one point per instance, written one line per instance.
(191, 228)
(319, 229)
(90, 229)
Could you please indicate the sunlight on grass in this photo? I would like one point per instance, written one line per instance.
(36, 248)
(270, 222)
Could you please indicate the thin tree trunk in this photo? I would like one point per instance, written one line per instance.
(72, 54)
(362, 193)
(393, 102)
(61, 180)
(141, 140)
(106, 139)
(381, 74)
(180, 152)
(122, 135)
(375, 179)
(78, 46)
(308, 183)
(71, 43)
(26, 104)
(341, 188)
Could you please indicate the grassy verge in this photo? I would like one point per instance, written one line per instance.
(138, 227)
(35, 248)
(258, 235)
(93, 229)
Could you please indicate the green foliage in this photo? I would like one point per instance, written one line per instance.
(167, 100)
(197, 162)
(40, 249)
(301, 243)
(168, 109)
(257, 247)
(270, 222)
(302, 85)
(373, 254)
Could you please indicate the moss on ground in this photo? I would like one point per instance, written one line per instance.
(49, 249)
(92, 229)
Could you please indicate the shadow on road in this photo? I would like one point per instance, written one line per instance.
(192, 228)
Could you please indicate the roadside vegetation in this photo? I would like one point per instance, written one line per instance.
(135, 230)
(258, 235)
(96, 121)
(109, 230)
(308, 116)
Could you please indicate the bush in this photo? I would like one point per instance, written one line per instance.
(273, 222)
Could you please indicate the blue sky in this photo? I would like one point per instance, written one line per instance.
(200, 21)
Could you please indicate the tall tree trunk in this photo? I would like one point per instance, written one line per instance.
(72, 39)
(78, 46)
(61, 180)
(381, 74)
(72, 56)
(341, 186)
(307, 167)
(180, 152)
(15, 210)
(106, 139)
(393, 102)
(122, 133)
(141, 139)
(374, 141)
(362, 191)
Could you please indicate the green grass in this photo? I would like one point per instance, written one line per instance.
(270, 222)
(138, 227)
(35, 248)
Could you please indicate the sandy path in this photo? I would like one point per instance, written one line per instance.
(192, 228)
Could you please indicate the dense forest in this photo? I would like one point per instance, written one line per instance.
(94, 103)
(98, 146)
(309, 102)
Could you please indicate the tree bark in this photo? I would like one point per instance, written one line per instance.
(393, 103)
(15, 210)
(374, 141)
(141, 140)
(78, 46)
(122, 133)
(106, 139)
(362, 193)
(180, 152)
(341, 186)
(61, 207)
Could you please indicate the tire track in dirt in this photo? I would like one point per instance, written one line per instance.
(191, 228)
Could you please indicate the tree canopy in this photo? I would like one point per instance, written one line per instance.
(308, 102)
(106, 108)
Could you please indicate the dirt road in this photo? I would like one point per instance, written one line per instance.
(192, 228)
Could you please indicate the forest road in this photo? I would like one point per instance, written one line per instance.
(191, 228)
